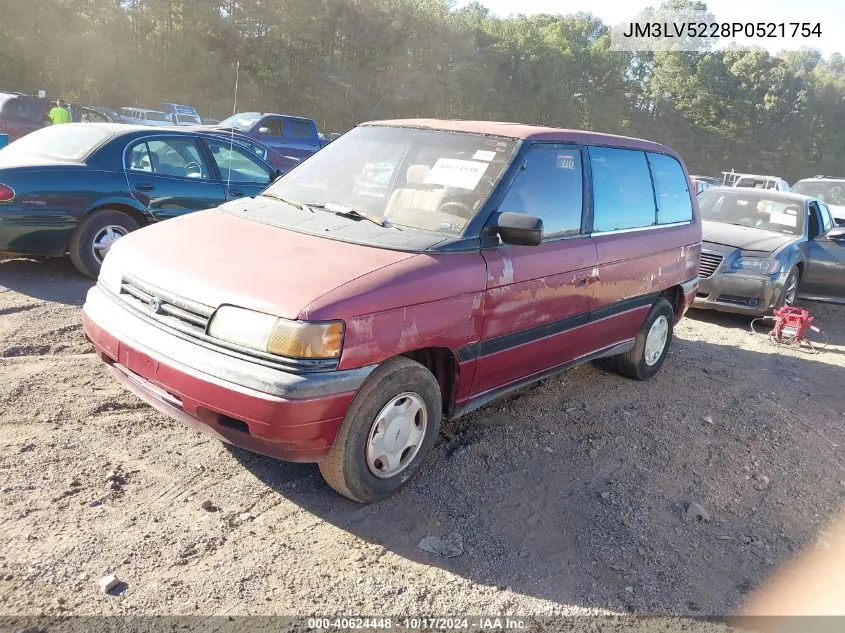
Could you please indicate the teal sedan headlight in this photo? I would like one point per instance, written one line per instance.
(757, 265)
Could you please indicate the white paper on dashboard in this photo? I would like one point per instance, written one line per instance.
(783, 218)
(484, 154)
(453, 172)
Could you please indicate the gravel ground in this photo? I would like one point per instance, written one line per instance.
(570, 497)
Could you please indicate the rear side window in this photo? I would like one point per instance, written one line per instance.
(623, 197)
(300, 129)
(670, 189)
(549, 186)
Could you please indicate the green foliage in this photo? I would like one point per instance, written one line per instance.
(346, 61)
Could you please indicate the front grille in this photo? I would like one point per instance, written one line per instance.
(179, 313)
(708, 265)
(739, 301)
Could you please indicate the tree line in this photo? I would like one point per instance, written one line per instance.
(346, 61)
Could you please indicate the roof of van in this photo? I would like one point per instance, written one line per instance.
(527, 132)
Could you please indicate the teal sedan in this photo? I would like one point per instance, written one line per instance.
(75, 189)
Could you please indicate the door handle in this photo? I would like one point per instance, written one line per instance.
(145, 187)
(237, 193)
(583, 280)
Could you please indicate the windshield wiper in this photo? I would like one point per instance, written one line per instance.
(293, 203)
(339, 209)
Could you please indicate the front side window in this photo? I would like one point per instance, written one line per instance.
(623, 197)
(237, 165)
(168, 157)
(670, 189)
(827, 218)
(275, 127)
(550, 186)
(432, 180)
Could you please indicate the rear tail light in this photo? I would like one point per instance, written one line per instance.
(6, 193)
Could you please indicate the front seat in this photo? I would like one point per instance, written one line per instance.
(415, 198)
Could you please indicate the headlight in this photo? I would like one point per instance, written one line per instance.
(267, 333)
(757, 265)
(111, 271)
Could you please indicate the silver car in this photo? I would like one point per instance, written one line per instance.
(762, 249)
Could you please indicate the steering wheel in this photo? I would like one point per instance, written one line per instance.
(458, 209)
(193, 164)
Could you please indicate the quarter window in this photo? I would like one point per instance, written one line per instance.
(623, 197)
(550, 186)
(670, 189)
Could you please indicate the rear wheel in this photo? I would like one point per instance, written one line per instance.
(651, 345)
(387, 432)
(95, 235)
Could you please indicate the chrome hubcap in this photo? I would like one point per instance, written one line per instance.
(655, 342)
(104, 239)
(396, 435)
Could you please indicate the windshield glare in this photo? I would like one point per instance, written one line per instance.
(828, 192)
(426, 179)
(752, 211)
(64, 142)
(240, 121)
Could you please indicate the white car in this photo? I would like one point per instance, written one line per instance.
(143, 116)
(831, 191)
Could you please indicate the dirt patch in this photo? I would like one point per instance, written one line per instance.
(571, 496)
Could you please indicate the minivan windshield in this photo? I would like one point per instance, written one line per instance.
(71, 142)
(754, 211)
(830, 192)
(432, 180)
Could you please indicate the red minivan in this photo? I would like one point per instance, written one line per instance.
(410, 270)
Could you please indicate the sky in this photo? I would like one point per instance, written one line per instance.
(829, 13)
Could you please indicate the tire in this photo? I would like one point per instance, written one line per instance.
(93, 229)
(634, 363)
(351, 465)
(794, 278)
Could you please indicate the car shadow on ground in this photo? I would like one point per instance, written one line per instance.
(53, 279)
(576, 491)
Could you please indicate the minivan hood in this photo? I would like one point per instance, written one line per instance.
(744, 237)
(217, 258)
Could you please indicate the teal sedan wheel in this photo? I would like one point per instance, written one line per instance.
(95, 235)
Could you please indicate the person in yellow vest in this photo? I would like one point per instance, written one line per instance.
(59, 114)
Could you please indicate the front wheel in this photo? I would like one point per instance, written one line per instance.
(95, 235)
(790, 289)
(387, 432)
(651, 345)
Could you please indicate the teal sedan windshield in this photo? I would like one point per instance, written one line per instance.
(69, 142)
(432, 180)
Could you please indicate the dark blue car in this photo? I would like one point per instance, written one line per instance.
(76, 188)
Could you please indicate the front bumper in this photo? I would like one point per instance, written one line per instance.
(294, 417)
(742, 294)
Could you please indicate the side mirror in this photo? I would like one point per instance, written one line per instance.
(837, 233)
(278, 174)
(264, 130)
(519, 229)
